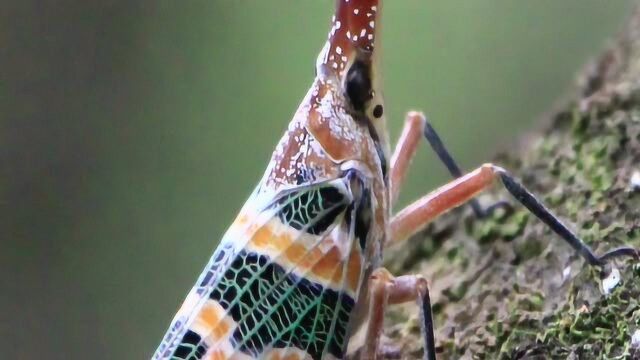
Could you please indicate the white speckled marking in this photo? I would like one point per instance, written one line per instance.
(611, 281)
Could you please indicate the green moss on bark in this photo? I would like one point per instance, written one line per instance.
(507, 287)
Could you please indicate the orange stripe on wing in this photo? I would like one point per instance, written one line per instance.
(323, 263)
(212, 322)
(281, 245)
(290, 353)
(326, 267)
(330, 268)
(266, 240)
(216, 355)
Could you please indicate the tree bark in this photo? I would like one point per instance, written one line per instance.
(507, 287)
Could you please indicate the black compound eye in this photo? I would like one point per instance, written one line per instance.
(358, 85)
(378, 111)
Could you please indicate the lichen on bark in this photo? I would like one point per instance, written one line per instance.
(509, 288)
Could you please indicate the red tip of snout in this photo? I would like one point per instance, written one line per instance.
(352, 30)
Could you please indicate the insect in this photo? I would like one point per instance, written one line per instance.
(298, 273)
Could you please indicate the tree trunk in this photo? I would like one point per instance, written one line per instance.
(507, 287)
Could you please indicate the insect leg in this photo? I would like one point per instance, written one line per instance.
(405, 150)
(445, 157)
(417, 215)
(386, 289)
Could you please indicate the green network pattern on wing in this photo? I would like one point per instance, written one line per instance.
(274, 308)
(313, 209)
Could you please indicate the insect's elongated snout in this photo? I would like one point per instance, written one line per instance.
(348, 87)
(352, 37)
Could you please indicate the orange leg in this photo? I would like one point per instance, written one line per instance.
(385, 289)
(415, 127)
(405, 150)
(417, 215)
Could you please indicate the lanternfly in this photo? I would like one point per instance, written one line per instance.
(298, 274)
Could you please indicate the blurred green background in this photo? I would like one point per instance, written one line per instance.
(132, 132)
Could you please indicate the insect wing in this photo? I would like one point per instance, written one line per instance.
(278, 285)
(231, 243)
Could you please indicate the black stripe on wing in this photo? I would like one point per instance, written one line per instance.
(312, 209)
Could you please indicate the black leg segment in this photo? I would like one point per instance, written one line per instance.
(529, 201)
(445, 157)
(427, 327)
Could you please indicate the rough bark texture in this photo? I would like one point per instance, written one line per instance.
(509, 288)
